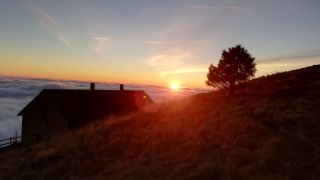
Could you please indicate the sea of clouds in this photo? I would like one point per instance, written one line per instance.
(15, 93)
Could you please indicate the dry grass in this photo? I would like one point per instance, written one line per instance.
(269, 129)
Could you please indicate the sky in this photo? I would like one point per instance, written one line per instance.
(153, 41)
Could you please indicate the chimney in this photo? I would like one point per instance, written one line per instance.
(92, 85)
(121, 87)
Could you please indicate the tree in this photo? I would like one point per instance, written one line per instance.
(236, 65)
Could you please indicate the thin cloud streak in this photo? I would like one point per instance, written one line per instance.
(99, 38)
(183, 6)
(49, 23)
(99, 44)
(279, 64)
(314, 53)
(288, 62)
(155, 42)
(216, 7)
(169, 59)
(182, 71)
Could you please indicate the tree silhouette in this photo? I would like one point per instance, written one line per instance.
(236, 65)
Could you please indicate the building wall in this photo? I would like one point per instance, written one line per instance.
(41, 124)
(57, 123)
(33, 128)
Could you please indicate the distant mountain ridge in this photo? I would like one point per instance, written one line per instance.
(268, 129)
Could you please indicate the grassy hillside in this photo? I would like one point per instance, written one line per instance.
(269, 129)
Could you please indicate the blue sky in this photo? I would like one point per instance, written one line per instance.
(153, 41)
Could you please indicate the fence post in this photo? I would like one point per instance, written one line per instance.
(15, 141)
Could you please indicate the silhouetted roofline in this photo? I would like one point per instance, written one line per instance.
(48, 92)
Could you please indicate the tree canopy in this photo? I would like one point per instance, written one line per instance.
(236, 65)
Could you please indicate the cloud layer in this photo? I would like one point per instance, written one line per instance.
(15, 93)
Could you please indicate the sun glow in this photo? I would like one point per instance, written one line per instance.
(175, 86)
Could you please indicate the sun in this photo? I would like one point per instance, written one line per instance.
(175, 86)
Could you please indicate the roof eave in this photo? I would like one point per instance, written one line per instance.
(34, 99)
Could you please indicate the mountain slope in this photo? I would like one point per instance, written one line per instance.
(268, 129)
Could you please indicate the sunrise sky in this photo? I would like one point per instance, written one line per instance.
(153, 41)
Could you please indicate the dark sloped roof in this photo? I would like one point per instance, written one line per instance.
(86, 105)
